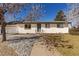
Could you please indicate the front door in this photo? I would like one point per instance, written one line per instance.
(38, 27)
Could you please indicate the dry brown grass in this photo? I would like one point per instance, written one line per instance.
(68, 45)
(73, 40)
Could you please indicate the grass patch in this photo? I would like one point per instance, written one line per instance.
(74, 40)
(67, 44)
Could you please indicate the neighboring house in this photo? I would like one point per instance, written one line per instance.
(38, 27)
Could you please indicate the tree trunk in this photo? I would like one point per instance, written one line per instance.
(3, 31)
(3, 24)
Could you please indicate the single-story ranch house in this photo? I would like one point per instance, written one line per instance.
(37, 27)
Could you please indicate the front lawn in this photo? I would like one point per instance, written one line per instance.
(73, 40)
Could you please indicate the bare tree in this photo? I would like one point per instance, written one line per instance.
(36, 12)
(73, 13)
(10, 8)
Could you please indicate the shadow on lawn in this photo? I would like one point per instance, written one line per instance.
(19, 39)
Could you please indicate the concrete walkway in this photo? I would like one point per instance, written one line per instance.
(41, 50)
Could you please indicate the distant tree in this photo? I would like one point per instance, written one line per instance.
(60, 16)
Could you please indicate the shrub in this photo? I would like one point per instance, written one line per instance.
(74, 31)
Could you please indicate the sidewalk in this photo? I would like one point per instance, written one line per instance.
(39, 50)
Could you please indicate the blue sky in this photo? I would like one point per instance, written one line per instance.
(50, 14)
(52, 10)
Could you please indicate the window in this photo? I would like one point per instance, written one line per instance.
(59, 25)
(27, 26)
(47, 25)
